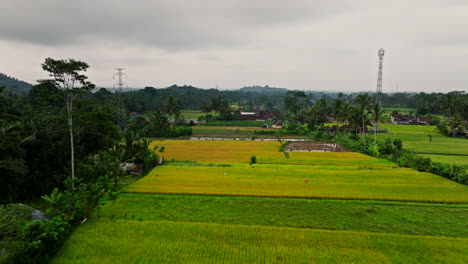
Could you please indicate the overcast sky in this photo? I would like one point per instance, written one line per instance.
(297, 44)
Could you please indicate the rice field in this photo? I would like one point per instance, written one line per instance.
(193, 114)
(265, 152)
(238, 123)
(451, 159)
(404, 218)
(209, 205)
(328, 158)
(217, 151)
(369, 184)
(416, 138)
(229, 129)
(133, 241)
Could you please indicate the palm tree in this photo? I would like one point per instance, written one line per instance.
(456, 125)
(364, 102)
(377, 113)
(336, 108)
(171, 108)
(344, 113)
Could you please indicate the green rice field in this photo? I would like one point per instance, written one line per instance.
(439, 149)
(288, 181)
(370, 216)
(209, 205)
(133, 241)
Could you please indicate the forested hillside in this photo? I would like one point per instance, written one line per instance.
(13, 84)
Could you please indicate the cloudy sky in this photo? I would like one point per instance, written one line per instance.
(297, 44)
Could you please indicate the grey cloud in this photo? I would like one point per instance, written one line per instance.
(176, 24)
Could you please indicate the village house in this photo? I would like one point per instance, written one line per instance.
(277, 124)
(132, 168)
(258, 115)
(410, 120)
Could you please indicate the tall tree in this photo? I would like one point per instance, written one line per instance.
(171, 107)
(377, 113)
(67, 76)
(364, 102)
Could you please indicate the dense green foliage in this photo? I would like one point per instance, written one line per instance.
(37, 131)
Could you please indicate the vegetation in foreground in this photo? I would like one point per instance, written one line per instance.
(162, 242)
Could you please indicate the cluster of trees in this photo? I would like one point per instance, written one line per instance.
(63, 143)
(13, 84)
(150, 99)
(166, 123)
(219, 106)
(358, 114)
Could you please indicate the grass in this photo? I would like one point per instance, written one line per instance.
(370, 216)
(288, 181)
(101, 241)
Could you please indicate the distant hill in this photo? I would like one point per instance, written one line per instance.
(13, 84)
(113, 90)
(263, 89)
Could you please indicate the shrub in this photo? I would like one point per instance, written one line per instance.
(253, 160)
(181, 131)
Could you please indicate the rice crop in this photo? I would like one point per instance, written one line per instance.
(133, 241)
(217, 151)
(328, 158)
(368, 184)
(267, 152)
(416, 138)
(371, 216)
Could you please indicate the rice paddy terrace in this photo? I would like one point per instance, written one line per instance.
(426, 141)
(211, 205)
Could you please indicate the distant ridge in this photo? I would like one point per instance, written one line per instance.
(13, 84)
(263, 89)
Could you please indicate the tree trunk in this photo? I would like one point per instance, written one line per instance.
(72, 145)
(364, 137)
(375, 130)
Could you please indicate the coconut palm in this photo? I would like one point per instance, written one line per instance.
(364, 102)
(377, 113)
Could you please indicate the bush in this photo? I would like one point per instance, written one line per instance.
(253, 160)
(443, 128)
(455, 172)
(181, 131)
